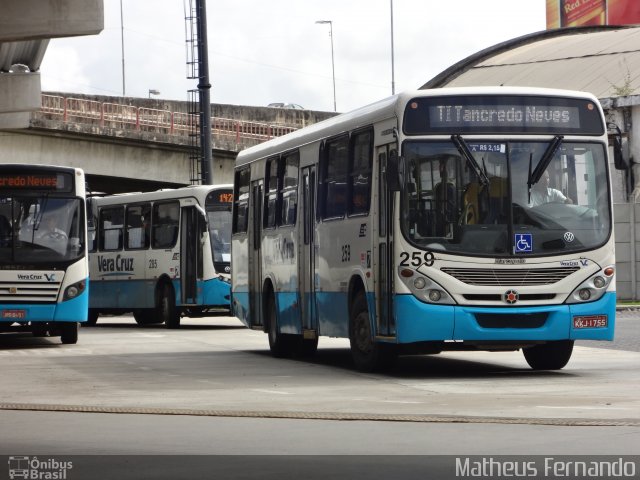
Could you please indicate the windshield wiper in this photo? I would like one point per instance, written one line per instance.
(463, 148)
(550, 152)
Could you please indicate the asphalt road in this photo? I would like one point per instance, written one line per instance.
(125, 393)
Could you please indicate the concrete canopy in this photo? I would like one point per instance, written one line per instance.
(25, 29)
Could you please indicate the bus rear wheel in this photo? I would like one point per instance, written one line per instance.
(167, 312)
(549, 356)
(368, 355)
(280, 344)
(69, 333)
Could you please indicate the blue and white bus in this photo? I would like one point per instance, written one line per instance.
(161, 255)
(43, 250)
(434, 220)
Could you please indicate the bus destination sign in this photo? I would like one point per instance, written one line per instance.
(218, 197)
(502, 113)
(34, 181)
(522, 116)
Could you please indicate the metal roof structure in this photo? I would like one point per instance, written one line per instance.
(604, 61)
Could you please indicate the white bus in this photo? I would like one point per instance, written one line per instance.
(43, 250)
(161, 255)
(434, 220)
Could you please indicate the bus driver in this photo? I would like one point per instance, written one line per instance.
(541, 193)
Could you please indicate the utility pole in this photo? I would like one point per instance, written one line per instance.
(204, 88)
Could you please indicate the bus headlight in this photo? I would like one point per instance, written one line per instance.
(419, 283)
(423, 288)
(592, 288)
(74, 290)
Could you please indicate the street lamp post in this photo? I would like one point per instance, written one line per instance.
(393, 79)
(122, 46)
(333, 68)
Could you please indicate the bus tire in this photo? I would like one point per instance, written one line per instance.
(307, 347)
(368, 355)
(167, 312)
(69, 333)
(92, 318)
(549, 356)
(280, 344)
(145, 316)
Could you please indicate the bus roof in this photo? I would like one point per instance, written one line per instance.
(381, 110)
(164, 194)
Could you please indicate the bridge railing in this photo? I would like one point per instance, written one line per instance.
(129, 117)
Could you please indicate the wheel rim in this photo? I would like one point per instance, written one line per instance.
(362, 333)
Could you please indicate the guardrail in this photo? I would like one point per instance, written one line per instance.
(129, 117)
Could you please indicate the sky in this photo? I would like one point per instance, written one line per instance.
(274, 51)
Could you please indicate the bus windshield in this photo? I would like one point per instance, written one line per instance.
(40, 230)
(486, 198)
(219, 218)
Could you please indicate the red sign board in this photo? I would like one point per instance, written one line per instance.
(14, 314)
(578, 13)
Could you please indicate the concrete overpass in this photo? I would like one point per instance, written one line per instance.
(137, 144)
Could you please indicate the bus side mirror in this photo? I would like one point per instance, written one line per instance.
(395, 171)
(620, 160)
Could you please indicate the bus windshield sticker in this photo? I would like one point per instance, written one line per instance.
(523, 243)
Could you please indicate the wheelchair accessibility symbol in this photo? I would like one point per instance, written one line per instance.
(524, 242)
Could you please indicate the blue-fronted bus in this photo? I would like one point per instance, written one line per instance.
(434, 220)
(161, 255)
(43, 250)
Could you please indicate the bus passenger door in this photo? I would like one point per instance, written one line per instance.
(384, 285)
(190, 255)
(255, 265)
(306, 263)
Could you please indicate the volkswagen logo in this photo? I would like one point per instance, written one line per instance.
(227, 269)
(13, 290)
(511, 297)
(569, 237)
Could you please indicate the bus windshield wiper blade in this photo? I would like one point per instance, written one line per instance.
(463, 148)
(544, 162)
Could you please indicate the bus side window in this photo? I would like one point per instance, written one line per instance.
(360, 173)
(271, 193)
(111, 223)
(165, 224)
(289, 189)
(241, 199)
(137, 233)
(336, 158)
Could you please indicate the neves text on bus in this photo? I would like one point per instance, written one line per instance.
(452, 219)
(161, 254)
(43, 251)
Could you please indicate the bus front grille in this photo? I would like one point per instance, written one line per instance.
(509, 277)
(12, 292)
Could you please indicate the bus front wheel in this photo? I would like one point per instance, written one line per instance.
(69, 333)
(167, 311)
(92, 318)
(368, 355)
(549, 356)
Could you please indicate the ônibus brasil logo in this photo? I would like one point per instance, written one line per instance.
(33, 468)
